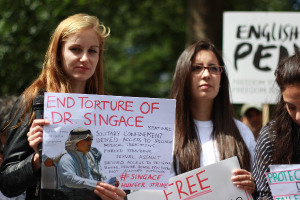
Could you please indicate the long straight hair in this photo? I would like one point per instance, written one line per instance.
(53, 78)
(283, 128)
(187, 148)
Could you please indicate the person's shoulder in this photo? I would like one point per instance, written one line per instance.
(244, 130)
(265, 134)
(266, 129)
(241, 126)
(18, 100)
(65, 157)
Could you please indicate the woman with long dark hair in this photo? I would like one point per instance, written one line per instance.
(205, 130)
(285, 127)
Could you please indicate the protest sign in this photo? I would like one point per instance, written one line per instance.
(253, 45)
(284, 181)
(206, 183)
(132, 136)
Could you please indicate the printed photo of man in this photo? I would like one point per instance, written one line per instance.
(78, 169)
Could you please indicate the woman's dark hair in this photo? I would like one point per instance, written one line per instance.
(187, 147)
(283, 127)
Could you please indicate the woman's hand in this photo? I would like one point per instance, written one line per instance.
(109, 192)
(243, 180)
(35, 137)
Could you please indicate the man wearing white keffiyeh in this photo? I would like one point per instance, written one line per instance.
(79, 168)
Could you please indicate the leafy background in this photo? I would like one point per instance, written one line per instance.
(147, 37)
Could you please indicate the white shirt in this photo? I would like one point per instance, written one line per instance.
(210, 154)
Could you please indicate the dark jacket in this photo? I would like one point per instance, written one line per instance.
(17, 174)
(16, 170)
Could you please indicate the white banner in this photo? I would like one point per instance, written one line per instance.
(133, 136)
(253, 44)
(206, 183)
(284, 181)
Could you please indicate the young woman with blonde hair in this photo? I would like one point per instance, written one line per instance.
(73, 64)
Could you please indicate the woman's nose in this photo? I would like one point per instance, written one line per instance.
(297, 118)
(84, 57)
(205, 72)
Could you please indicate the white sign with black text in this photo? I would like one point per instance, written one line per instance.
(253, 45)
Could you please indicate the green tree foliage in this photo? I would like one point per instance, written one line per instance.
(146, 39)
(140, 54)
(261, 5)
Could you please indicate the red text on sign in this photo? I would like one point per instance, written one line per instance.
(61, 118)
(55, 102)
(102, 105)
(113, 120)
(193, 184)
(145, 107)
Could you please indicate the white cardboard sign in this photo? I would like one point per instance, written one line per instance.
(134, 135)
(253, 44)
(206, 183)
(284, 181)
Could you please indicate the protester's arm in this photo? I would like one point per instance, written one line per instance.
(262, 161)
(243, 179)
(17, 173)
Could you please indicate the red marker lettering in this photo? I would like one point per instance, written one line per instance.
(57, 117)
(152, 106)
(82, 101)
(70, 102)
(128, 121)
(67, 117)
(136, 121)
(86, 117)
(179, 188)
(145, 108)
(200, 181)
(167, 194)
(128, 105)
(190, 186)
(49, 100)
(61, 102)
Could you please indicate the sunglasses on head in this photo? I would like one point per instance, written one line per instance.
(88, 139)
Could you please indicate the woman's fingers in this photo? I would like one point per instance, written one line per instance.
(35, 139)
(241, 172)
(35, 134)
(109, 192)
(243, 180)
(249, 188)
(247, 178)
(39, 122)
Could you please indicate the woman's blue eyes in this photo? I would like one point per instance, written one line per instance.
(93, 51)
(75, 49)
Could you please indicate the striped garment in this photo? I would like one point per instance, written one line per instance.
(262, 161)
